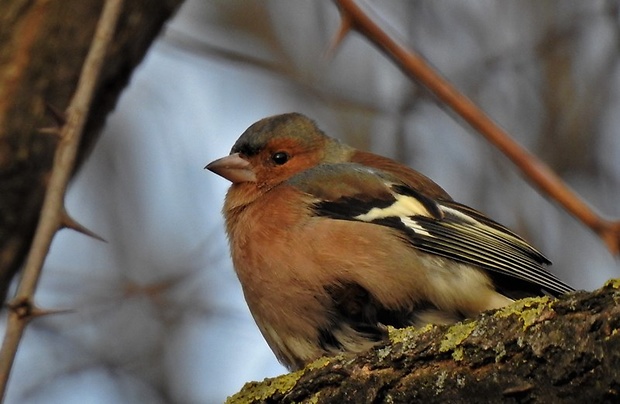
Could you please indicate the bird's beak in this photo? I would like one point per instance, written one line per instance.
(234, 168)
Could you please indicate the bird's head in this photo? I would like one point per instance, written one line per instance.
(274, 149)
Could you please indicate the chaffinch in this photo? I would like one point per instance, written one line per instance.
(332, 244)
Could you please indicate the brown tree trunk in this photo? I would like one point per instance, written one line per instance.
(43, 44)
(537, 350)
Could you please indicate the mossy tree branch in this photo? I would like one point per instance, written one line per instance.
(536, 350)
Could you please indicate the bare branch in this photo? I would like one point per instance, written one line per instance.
(538, 172)
(52, 213)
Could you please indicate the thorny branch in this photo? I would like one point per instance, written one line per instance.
(414, 65)
(53, 214)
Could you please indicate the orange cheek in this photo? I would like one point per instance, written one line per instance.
(269, 175)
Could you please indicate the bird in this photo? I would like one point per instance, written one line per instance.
(332, 245)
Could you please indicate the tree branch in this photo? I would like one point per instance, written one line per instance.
(536, 350)
(538, 172)
(52, 57)
(53, 212)
(44, 46)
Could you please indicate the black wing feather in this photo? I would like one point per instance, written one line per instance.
(444, 228)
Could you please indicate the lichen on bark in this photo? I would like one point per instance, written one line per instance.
(535, 350)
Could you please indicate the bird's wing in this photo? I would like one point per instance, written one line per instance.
(354, 192)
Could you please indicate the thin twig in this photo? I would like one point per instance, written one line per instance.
(22, 307)
(537, 171)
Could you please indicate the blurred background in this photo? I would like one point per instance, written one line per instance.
(157, 314)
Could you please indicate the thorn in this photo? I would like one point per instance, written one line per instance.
(345, 27)
(49, 131)
(26, 309)
(58, 115)
(39, 312)
(70, 223)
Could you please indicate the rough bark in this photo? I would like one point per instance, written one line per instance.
(537, 351)
(42, 47)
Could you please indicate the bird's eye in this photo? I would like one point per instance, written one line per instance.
(280, 158)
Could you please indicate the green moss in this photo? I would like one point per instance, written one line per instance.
(400, 335)
(320, 363)
(406, 335)
(454, 337)
(458, 354)
(612, 284)
(529, 310)
(259, 391)
(314, 399)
